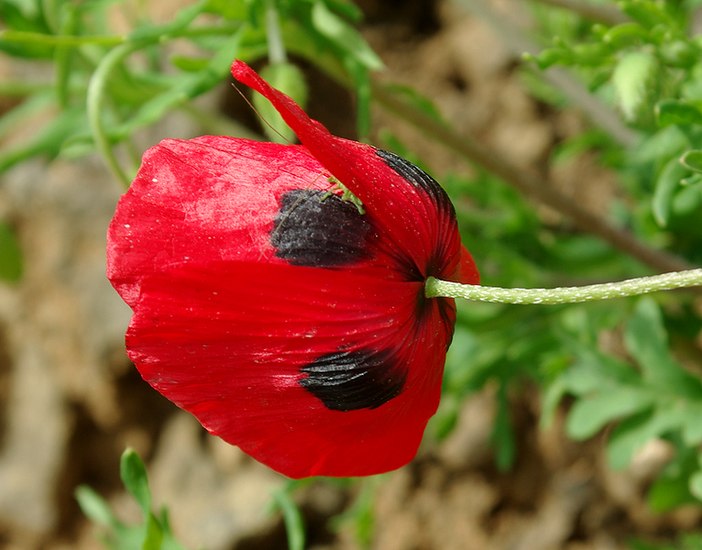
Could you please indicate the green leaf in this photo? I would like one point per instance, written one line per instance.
(625, 34)
(634, 432)
(646, 340)
(94, 507)
(289, 79)
(63, 56)
(48, 139)
(23, 17)
(23, 113)
(189, 64)
(648, 14)
(181, 20)
(631, 78)
(666, 185)
(153, 536)
(134, 477)
(346, 8)
(678, 112)
(592, 370)
(668, 492)
(696, 485)
(344, 36)
(590, 414)
(687, 206)
(10, 255)
(235, 11)
(680, 53)
(691, 426)
(188, 87)
(661, 145)
(294, 524)
(693, 160)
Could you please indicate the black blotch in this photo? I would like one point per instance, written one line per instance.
(319, 229)
(419, 178)
(352, 380)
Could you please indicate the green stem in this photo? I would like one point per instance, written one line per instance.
(65, 40)
(564, 295)
(276, 47)
(292, 518)
(96, 103)
(75, 41)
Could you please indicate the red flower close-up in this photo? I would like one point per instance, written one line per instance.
(287, 319)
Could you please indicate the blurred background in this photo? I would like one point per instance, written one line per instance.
(575, 427)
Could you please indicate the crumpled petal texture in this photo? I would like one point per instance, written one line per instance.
(286, 321)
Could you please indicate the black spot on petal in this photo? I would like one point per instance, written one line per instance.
(352, 380)
(417, 177)
(319, 229)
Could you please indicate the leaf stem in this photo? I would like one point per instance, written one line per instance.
(435, 288)
(95, 106)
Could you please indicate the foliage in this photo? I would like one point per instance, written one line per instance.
(646, 64)
(649, 67)
(154, 533)
(129, 81)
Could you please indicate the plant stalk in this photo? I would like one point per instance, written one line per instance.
(435, 288)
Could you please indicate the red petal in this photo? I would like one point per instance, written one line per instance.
(200, 200)
(420, 224)
(227, 341)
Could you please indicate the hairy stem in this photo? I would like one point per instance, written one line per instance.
(564, 295)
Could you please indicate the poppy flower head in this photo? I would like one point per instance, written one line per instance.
(289, 319)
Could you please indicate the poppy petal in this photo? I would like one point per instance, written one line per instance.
(417, 215)
(310, 371)
(227, 198)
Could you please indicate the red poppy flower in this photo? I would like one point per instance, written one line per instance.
(270, 307)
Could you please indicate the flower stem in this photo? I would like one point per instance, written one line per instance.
(276, 48)
(96, 104)
(564, 295)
